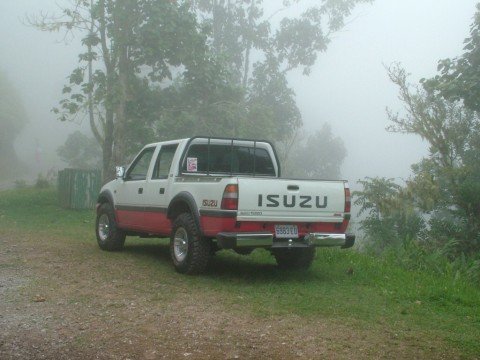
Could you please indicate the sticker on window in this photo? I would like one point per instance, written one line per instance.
(192, 164)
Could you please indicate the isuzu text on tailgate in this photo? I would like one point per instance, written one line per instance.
(208, 194)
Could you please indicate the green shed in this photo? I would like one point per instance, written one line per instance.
(78, 189)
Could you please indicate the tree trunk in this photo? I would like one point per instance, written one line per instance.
(121, 116)
(108, 172)
(122, 30)
(246, 68)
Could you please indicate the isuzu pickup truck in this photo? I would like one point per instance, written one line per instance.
(208, 194)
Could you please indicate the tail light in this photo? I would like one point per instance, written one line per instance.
(348, 201)
(230, 197)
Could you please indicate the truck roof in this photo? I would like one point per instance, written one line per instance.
(207, 137)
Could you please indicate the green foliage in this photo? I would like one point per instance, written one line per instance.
(459, 77)
(391, 218)
(280, 44)
(269, 89)
(400, 232)
(131, 48)
(205, 100)
(165, 69)
(445, 184)
(444, 189)
(459, 183)
(80, 151)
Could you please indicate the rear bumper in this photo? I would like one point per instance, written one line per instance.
(327, 240)
(266, 240)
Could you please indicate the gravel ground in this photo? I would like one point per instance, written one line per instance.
(59, 302)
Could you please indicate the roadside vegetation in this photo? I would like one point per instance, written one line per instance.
(432, 220)
(385, 306)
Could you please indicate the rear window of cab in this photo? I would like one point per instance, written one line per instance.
(228, 159)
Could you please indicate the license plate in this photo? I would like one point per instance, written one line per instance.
(286, 231)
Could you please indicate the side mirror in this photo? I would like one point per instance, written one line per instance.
(120, 172)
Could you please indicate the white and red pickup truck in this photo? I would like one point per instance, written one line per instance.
(209, 193)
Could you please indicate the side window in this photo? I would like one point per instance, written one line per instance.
(245, 160)
(261, 160)
(217, 159)
(164, 161)
(263, 163)
(139, 169)
(196, 160)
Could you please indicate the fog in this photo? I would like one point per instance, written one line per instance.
(348, 86)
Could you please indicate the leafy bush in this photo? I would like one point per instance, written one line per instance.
(441, 242)
(391, 219)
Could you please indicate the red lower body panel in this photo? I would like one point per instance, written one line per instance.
(143, 221)
(157, 223)
(211, 226)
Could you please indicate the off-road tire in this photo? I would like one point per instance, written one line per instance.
(193, 257)
(295, 259)
(109, 236)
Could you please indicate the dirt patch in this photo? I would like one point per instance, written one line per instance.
(59, 302)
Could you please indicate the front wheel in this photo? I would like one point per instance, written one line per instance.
(109, 236)
(295, 259)
(189, 251)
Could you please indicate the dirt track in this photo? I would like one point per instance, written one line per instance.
(59, 302)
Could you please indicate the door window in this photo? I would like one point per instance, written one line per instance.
(139, 168)
(164, 161)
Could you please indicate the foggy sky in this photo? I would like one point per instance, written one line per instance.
(348, 86)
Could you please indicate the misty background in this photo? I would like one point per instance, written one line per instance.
(347, 88)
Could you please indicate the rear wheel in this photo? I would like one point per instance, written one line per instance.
(109, 236)
(295, 259)
(189, 251)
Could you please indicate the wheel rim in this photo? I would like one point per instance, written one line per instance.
(180, 244)
(103, 227)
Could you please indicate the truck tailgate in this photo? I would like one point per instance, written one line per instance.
(285, 200)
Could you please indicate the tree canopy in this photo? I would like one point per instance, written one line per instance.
(445, 186)
(164, 69)
(459, 78)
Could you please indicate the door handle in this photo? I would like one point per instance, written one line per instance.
(162, 191)
(140, 190)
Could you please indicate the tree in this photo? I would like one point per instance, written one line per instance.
(444, 187)
(81, 151)
(130, 46)
(161, 69)
(453, 133)
(261, 49)
(459, 78)
(317, 156)
(233, 93)
(12, 120)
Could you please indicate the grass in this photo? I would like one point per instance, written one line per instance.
(378, 295)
